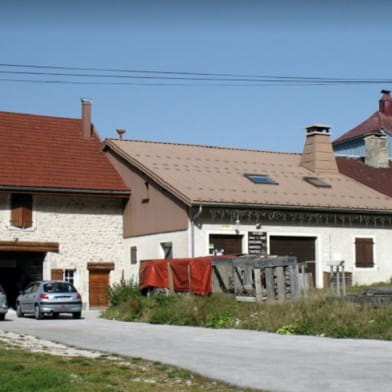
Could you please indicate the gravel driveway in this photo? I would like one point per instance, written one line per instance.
(245, 358)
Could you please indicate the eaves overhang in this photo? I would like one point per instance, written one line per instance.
(108, 193)
(297, 208)
(301, 216)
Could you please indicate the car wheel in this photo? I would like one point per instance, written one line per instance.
(77, 315)
(55, 315)
(2, 316)
(19, 312)
(37, 312)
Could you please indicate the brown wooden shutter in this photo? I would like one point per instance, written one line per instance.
(364, 252)
(21, 210)
(56, 274)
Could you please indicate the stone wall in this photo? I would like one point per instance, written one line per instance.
(87, 229)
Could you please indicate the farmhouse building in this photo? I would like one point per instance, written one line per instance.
(61, 205)
(194, 200)
(365, 152)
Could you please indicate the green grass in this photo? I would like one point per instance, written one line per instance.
(316, 315)
(22, 371)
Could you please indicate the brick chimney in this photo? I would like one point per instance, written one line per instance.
(376, 148)
(86, 118)
(385, 103)
(318, 155)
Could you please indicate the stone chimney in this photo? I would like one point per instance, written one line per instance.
(318, 155)
(86, 118)
(376, 150)
(385, 103)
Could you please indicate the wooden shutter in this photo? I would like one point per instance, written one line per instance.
(21, 210)
(364, 252)
(56, 274)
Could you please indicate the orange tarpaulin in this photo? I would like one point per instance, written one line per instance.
(189, 274)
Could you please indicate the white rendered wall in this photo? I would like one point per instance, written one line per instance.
(332, 244)
(87, 230)
(149, 247)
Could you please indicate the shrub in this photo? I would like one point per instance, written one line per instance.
(122, 292)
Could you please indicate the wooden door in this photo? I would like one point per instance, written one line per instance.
(98, 288)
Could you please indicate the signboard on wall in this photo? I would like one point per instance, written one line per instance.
(257, 242)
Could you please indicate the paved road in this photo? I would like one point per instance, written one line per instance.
(245, 358)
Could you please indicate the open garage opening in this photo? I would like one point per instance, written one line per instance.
(17, 269)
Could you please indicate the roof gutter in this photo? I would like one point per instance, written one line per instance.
(88, 192)
(347, 210)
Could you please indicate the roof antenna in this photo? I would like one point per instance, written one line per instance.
(120, 132)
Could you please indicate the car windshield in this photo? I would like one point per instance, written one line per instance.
(59, 287)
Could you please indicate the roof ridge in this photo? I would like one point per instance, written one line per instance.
(202, 145)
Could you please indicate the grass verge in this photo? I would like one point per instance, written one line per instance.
(22, 371)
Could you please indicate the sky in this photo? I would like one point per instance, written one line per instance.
(265, 55)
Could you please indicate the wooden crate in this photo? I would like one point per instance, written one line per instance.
(267, 278)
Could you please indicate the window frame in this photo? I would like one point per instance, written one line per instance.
(133, 254)
(167, 249)
(69, 275)
(260, 179)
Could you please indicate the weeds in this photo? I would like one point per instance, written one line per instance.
(316, 315)
(123, 291)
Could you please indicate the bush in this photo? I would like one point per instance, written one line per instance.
(122, 292)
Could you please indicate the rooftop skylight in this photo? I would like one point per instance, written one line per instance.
(261, 179)
(318, 182)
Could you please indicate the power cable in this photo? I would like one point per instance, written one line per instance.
(148, 75)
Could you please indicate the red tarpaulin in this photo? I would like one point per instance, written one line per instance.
(189, 274)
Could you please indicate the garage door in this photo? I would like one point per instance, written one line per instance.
(304, 248)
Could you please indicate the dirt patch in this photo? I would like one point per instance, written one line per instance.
(33, 344)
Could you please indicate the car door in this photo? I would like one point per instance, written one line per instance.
(28, 298)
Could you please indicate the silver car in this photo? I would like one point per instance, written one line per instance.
(49, 297)
(3, 304)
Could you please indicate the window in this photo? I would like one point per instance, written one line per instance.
(167, 248)
(318, 182)
(69, 276)
(59, 274)
(261, 179)
(364, 252)
(21, 210)
(133, 255)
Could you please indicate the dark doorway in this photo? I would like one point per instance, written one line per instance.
(229, 244)
(17, 269)
(304, 248)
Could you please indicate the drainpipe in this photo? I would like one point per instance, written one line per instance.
(193, 218)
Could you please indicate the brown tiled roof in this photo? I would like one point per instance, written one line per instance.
(215, 176)
(378, 179)
(377, 121)
(50, 152)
